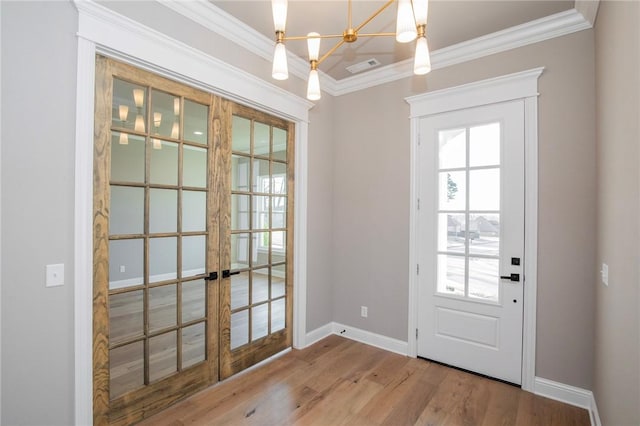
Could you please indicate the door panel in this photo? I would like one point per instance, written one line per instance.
(155, 224)
(257, 291)
(471, 225)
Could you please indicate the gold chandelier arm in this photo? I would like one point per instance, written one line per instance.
(333, 49)
(377, 35)
(307, 37)
(376, 13)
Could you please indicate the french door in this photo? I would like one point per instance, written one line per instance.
(471, 239)
(166, 318)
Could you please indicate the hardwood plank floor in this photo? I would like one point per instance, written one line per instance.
(341, 382)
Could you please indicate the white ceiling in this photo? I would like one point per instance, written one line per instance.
(450, 22)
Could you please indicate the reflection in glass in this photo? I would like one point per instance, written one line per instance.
(239, 173)
(239, 329)
(239, 212)
(193, 300)
(194, 251)
(451, 191)
(163, 210)
(260, 210)
(484, 189)
(127, 161)
(483, 278)
(278, 178)
(162, 114)
(278, 276)
(164, 164)
(452, 151)
(125, 315)
(259, 285)
(260, 249)
(129, 103)
(193, 344)
(484, 145)
(279, 144)
(239, 251)
(260, 176)
(162, 307)
(126, 261)
(278, 245)
(241, 135)
(163, 253)
(126, 369)
(451, 232)
(239, 290)
(194, 211)
(451, 274)
(196, 119)
(484, 232)
(194, 170)
(277, 315)
(261, 139)
(259, 321)
(162, 356)
(126, 213)
(278, 212)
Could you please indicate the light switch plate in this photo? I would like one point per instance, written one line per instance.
(605, 274)
(54, 275)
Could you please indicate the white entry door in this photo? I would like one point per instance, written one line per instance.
(471, 239)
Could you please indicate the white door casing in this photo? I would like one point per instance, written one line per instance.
(470, 226)
(521, 85)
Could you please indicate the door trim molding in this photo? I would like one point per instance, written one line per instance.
(101, 30)
(523, 86)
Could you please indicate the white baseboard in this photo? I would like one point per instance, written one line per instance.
(362, 336)
(570, 395)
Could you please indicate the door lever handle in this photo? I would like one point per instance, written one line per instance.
(212, 276)
(226, 273)
(512, 277)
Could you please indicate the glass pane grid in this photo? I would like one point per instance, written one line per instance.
(468, 226)
(258, 229)
(158, 146)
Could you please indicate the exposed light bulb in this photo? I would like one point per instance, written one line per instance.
(175, 130)
(280, 69)
(157, 119)
(124, 139)
(279, 9)
(405, 24)
(139, 125)
(422, 62)
(157, 143)
(313, 87)
(176, 106)
(123, 111)
(313, 44)
(138, 97)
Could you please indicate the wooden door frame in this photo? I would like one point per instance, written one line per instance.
(524, 86)
(103, 31)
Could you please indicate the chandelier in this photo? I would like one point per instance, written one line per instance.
(411, 24)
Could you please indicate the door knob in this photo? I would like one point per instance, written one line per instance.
(512, 277)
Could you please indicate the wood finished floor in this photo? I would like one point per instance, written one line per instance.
(341, 382)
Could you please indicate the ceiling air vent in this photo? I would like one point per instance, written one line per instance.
(362, 66)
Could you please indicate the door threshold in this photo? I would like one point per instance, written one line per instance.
(475, 373)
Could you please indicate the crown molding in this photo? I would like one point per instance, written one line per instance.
(588, 9)
(225, 25)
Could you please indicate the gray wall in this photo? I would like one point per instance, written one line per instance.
(617, 347)
(38, 134)
(371, 200)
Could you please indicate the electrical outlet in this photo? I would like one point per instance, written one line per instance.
(364, 311)
(122, 268)
(605, 274)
